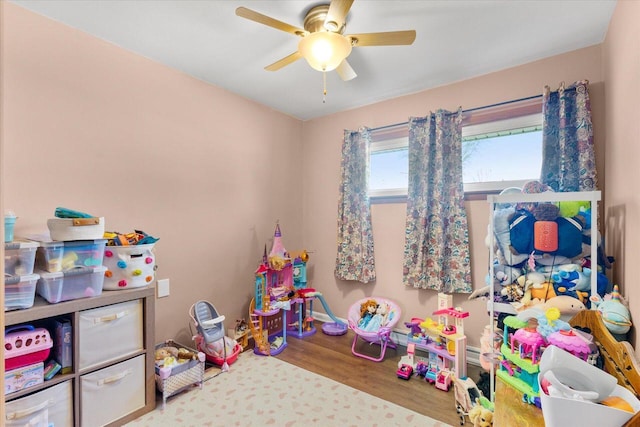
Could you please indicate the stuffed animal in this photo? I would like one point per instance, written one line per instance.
(481, 416)
(167, 351)
(542, 291)
(615, 314)
(502, 239)
(185, 354)
(567, 305)
(512, 292)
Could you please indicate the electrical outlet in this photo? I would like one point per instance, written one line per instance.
(163, 288)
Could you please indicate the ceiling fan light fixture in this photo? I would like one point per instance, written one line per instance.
(324, 50)
(331, 26)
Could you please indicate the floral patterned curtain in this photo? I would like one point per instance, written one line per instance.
(568, 160)
(355, 260)
(436, 254)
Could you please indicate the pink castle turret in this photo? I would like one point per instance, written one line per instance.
(278, 247)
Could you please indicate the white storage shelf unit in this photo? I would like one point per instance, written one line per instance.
(127, 348)
(591, 196)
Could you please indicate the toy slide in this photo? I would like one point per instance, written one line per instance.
(338, 327)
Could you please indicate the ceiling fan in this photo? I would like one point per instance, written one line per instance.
(322, 42)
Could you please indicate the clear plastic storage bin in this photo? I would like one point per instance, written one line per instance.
(19, 291)
(19, 257)
(54, 257)
(73, 284)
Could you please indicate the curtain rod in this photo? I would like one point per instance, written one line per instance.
(470, 110)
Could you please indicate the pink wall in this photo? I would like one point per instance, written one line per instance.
(322, 145)
(621, 53)
(96, 128)
(92, 127)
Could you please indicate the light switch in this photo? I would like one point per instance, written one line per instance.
(163, 288)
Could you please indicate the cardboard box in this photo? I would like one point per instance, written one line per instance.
(62, 344)
(21, 378)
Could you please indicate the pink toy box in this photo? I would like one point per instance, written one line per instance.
(25, 345)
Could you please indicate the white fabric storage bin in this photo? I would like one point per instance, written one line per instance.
(52, 406)
(113, 392)
(110, 332)
(129, 266)
(64, 229)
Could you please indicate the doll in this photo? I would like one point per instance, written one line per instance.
(379, 319)
(367, 310)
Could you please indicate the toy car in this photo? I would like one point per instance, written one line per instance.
(430, 376)
(443, 381)
(404, 371)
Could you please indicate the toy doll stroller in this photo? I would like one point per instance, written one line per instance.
(467, 394)
(210, 326)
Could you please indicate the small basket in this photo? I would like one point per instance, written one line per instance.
(63, 229)
(129, 266)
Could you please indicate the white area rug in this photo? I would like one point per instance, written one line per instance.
(265, 391)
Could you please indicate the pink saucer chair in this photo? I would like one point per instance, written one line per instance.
(372, 319)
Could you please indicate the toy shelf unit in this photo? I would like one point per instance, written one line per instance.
(546, 239)
(269, 331)
(109, 379)
(241, 337)
(593, 197)
(300, 321)
(443, 339)
(519, 367)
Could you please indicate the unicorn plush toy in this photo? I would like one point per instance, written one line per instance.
(615, 314)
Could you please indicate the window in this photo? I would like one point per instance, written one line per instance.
(495, 155)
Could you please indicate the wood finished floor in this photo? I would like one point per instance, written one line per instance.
(331, 356)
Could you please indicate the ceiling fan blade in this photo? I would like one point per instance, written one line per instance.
(284, 61)
(252, 15)
(391, 38)
(345, 71)
(337, 14)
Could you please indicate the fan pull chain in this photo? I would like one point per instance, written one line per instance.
(324, 85)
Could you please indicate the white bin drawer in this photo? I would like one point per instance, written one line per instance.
(53, 406)
(109, 333)
(112, 393)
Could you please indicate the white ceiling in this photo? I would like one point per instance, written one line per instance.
(456, 40)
